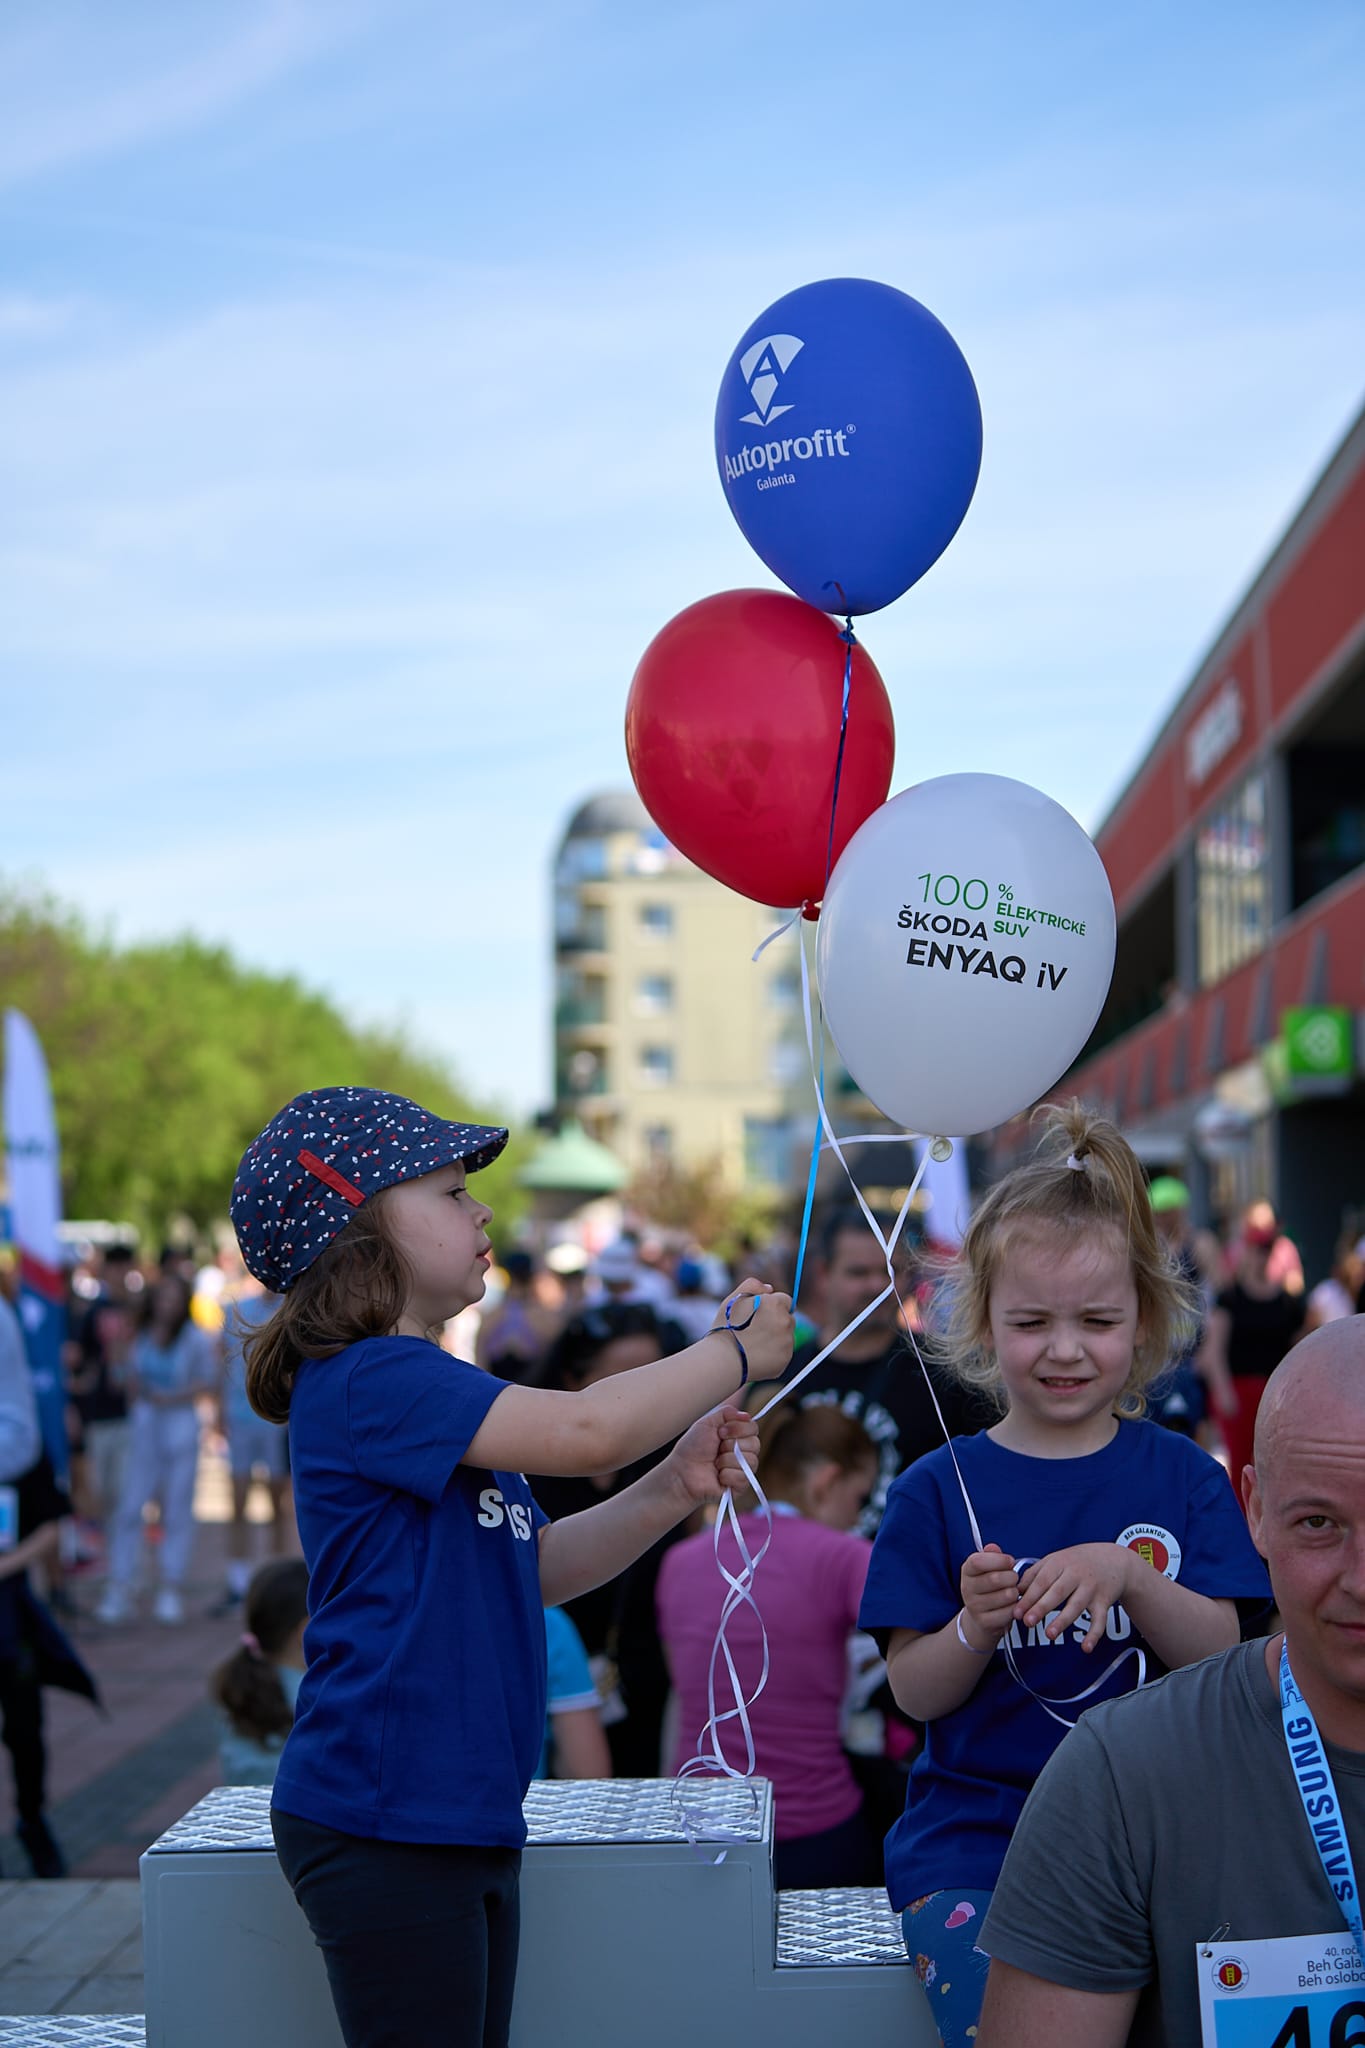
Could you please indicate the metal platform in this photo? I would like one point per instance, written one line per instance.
(816, 1930)
(606, 1811)
(626, 1884)
(75, 2030)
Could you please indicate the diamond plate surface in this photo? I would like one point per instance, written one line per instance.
(824, 1928)
(569, 1810)
(647, 1810)
(63, 2030)
(229, 1817)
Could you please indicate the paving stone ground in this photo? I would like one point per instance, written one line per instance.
(116, 1780)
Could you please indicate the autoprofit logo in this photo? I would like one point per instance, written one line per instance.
(762, 367)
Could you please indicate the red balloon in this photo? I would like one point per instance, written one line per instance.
(732, 731)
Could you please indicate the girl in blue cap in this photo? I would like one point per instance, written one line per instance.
(397, 1803)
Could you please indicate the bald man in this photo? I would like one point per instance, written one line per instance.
(1181, 1873)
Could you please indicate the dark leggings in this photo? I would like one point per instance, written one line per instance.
(420, 1939)
(837, 1856)
(21, 1704)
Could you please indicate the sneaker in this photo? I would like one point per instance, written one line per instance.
(113, 1606)
(169, 1607)
(230, 1603)
(41, 1848)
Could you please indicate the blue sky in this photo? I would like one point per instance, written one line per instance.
(357, 365)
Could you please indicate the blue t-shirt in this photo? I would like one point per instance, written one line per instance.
(187, 1361)
(240, 1318)
(570, 1686)
(422, 1711)
(241, 1758)
(1158, 1493)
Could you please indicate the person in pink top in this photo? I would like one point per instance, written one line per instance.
(818, 1468)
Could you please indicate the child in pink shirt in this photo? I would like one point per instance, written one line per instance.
(817, 1469)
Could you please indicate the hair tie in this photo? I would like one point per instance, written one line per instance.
(1076, 1165)
(251, 1645)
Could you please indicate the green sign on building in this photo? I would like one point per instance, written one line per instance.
(1319, 1042)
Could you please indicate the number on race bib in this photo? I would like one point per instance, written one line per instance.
(1348, 2028)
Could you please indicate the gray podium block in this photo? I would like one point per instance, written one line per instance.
(629, 1931)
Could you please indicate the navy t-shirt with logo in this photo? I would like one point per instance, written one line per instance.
(421, 1714)
(1158, 1493)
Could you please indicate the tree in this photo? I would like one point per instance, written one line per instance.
(166, 1060)
(699, 1201)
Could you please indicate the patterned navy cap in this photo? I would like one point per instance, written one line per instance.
(302, 1180)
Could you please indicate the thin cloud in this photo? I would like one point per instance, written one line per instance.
(85, 84)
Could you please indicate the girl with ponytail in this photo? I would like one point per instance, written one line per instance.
(258, 1684)
(1100, 1550)
(817, 1467)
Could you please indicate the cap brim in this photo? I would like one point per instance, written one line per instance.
(473, 1145)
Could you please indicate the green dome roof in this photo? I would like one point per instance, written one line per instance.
(573, 1163)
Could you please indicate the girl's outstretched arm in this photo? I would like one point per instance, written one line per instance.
(611, 1424)
(584, 1550)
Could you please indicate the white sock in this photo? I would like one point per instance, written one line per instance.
(238, 1576)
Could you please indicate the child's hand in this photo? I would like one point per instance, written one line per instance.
(767, 1340)
(990, 1591)
(703, 1462)
(1088, 1576)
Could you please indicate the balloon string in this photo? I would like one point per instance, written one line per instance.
(710, 1758)
(849, 639)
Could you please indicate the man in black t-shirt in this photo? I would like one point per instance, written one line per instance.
(95, 1380)
(874, 1375)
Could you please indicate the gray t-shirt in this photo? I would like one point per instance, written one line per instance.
(1164, 1817)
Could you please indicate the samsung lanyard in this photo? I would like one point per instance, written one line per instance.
(1321, 1806)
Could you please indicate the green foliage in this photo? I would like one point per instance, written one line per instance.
(698, 1200)
(167, 1059)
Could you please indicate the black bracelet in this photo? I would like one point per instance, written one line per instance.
(731, 1331)
(743, 1354)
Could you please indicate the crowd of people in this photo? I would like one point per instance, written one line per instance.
(922, 1672)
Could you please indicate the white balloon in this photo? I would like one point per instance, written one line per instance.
(965, 949)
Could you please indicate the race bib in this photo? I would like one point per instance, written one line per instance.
(1304, 1991)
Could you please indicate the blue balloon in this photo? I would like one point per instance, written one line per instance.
(848, 438)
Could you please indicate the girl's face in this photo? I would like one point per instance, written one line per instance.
(441, 1228)
(170, 1302)
(1064, 1326)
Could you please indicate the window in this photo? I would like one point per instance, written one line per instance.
(579, 927)
(656, 1065)
(584, 1073)
(659, 1144)
(592, 927)
(1232, 883)
(784, 989)
(786, 1063)
(582, 1000)
(582, 860)
(656, 920)
(767, 1150)
(1327, 812)
(650, 854)
(654, 994)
